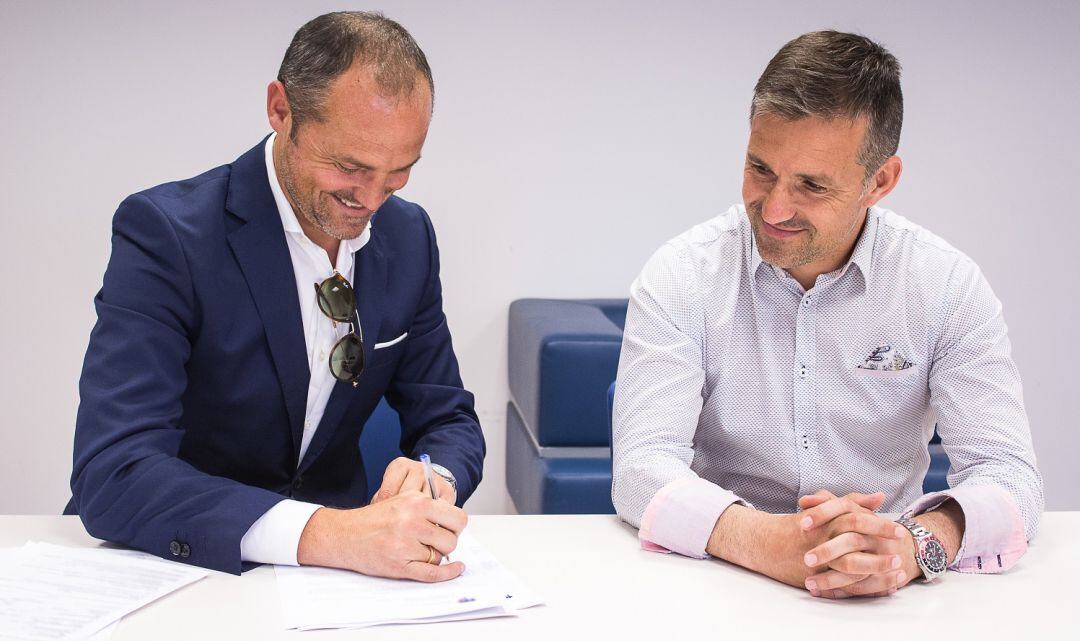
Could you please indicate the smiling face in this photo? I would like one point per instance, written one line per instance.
(805, 192)
(337, 171)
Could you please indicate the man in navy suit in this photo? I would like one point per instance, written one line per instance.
(250, 320)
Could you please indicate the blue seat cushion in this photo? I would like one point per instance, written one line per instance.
(554, 480)
(562, 356)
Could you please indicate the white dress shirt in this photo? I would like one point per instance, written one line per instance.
(736, 384)
(275, 536)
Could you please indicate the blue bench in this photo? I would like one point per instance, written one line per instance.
(563, 355)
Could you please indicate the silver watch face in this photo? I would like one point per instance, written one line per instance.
(934, 556)
(446, 474)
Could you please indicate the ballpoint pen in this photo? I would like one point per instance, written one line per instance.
(430, 476)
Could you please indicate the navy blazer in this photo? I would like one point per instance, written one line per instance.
(194, 386)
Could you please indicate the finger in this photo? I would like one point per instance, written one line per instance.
(869, 501)
(443, 540)
(827, 511)
(815, 499)
(875, 584)
(831, 580)
(446, 515)
(834, 594)
(870, 524)
(415, 480)
(864, 563)
(836, 547)
(431, 573)
(393, 477)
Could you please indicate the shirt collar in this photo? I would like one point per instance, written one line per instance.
(288, 217)
(861, 257)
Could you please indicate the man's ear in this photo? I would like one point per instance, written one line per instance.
(277, 108)
(884, 180)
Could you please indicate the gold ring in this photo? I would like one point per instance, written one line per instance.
(431, 554)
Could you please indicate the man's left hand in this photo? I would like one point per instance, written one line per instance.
(406, 474)
(850, 563)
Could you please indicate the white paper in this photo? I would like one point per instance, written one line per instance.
(54, 593)
(315, 598)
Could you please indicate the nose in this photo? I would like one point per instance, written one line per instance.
(371, 191)
(777, 206)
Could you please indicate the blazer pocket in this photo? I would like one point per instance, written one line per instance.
(390, 343)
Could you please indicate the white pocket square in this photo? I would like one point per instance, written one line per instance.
(390, 343)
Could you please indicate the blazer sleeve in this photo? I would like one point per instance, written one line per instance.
(437, 414)
(128, 483)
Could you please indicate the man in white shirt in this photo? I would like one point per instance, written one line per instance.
(251, 319)
(797, 351)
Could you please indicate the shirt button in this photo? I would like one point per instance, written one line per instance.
(806, 302)
(803, 371)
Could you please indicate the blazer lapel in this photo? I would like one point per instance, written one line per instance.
(263, 254)
(369, 282)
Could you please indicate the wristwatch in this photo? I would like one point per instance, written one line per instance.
(929, 552)
(446, 475)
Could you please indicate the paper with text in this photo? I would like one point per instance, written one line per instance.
(314, 598)
(55, 593)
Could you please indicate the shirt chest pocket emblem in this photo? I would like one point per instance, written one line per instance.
(886, 362)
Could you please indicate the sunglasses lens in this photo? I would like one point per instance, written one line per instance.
(347, 358)
(336, 298)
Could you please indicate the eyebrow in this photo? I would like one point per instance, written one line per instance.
(820, 179)
(348, 160)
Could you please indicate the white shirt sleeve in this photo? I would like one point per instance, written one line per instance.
(275, 537)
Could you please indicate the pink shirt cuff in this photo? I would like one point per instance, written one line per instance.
(993, 530)
(681, 516)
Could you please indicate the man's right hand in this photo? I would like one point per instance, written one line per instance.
(394, 538)
(776, 544)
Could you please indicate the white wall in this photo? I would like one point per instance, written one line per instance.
(570, 140)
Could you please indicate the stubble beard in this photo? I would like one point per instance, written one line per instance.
(785, 255)
(313, 213)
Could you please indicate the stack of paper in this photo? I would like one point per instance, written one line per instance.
(317, 598)
(49, 592)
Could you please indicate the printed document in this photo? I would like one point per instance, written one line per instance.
(54, 593)
(315, 598)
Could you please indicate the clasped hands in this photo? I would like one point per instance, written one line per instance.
(403, 533)
(841, 548)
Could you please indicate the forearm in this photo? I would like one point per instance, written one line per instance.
(318, 540)
(749, 538)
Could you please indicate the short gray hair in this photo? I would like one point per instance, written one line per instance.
(327, 46)
(829, 74)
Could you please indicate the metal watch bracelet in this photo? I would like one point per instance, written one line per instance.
(930, 554)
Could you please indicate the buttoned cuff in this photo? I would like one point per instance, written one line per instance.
(993, 538)
(681, 516)
(275, 536)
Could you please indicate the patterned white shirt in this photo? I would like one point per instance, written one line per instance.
(736, 384)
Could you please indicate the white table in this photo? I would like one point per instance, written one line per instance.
(598, 584)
